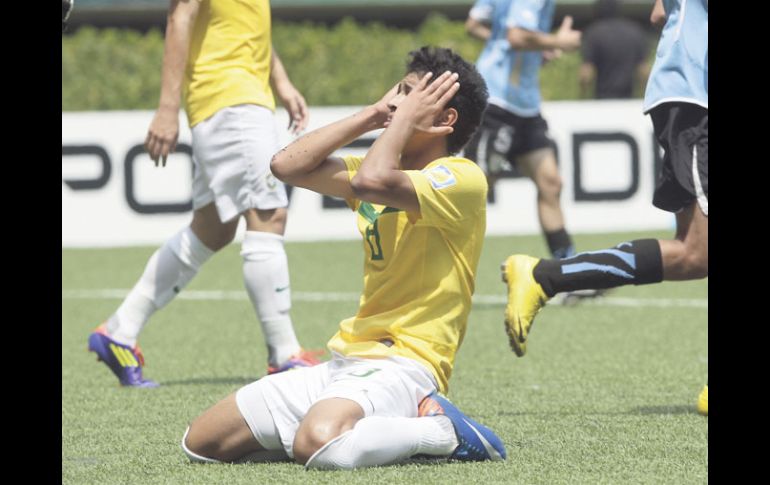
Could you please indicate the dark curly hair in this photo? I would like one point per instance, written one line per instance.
(470, 101)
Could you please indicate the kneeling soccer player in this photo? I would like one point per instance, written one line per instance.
(422, 214)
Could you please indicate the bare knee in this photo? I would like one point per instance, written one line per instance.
(211, 231)
(549, 186)
(271, 220)
(221, 239)
(199, 443)
(311, 437)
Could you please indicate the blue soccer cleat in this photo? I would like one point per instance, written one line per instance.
(477, 442)
(125, 362)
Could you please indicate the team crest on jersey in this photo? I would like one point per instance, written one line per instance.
(440, 177)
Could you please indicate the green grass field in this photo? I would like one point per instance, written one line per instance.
(606, 393)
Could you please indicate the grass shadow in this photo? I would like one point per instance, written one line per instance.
(196, 381)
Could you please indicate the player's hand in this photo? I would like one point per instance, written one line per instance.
(567, 38)
(295, 105)
(426, 101)
(162, 135)
(384, 109)
(551, 54)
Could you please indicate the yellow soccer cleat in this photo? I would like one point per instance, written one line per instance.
(703, 401)
(525, 298)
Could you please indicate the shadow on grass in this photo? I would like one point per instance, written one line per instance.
(641, 410)
(680, 409)
(196, 381)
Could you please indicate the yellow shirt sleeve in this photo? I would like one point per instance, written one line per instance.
(449, 193)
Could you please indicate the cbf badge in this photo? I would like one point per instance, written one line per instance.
(440, 177)
(270, 180)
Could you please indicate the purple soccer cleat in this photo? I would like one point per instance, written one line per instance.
(125, 362)
(303, 358)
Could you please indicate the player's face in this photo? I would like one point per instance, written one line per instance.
(404, 88)
(416, 143)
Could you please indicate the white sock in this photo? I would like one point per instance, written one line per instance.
(169, 270)
(266, 276)
(376, 441)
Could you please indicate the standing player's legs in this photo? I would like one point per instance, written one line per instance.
(235, 147)
(243, 140)
(266, 277)
(540, 166)
(168, 270)
(504, 139)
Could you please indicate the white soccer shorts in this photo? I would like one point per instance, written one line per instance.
(231, 154)
(391, 387)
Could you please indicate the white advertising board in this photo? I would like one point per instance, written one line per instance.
(113, 195)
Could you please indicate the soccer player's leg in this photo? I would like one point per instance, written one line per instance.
(531, 281)
(167, 272)
(540, 166)
(476, 442)
(686, 256)
(682, 188)
(266, 277)
(221, 434)
(326, 421)
(244, 186)
(258, 422)
(368, 417)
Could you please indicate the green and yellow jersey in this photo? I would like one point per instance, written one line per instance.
(229, 59)
(419, 269)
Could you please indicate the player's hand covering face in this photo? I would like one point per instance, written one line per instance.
(421, 102)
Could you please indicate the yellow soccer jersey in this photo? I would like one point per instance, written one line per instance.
(419, 269)
(229, 59)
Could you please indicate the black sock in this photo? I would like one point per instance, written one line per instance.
(630, 263)
(560, 244)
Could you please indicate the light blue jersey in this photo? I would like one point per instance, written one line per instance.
(681, 69)
(512, 77)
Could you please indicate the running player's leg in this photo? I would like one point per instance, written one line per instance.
(535, 155)
(682, 130)
(540, 166)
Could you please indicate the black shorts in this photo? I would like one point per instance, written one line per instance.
(682, 129)
(504, 136)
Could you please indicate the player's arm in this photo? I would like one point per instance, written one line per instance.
(658, 14)
(479, 20)
(380, 179)
(307, 161)
(164, 129)
(565, 38)
(290, 97)
(476, 28)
